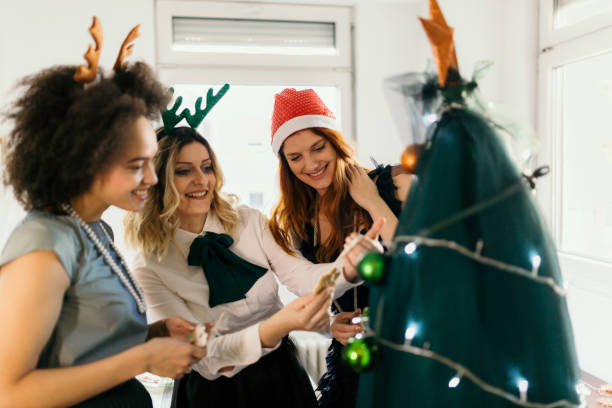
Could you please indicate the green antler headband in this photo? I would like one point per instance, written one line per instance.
(171, 119)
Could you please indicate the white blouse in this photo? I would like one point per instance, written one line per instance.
(173, 288)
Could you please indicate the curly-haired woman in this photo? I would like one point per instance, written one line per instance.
(325, 197)
(206, 259)
(73, 328)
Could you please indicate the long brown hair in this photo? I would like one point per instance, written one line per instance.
(153, 228)
(297, 203)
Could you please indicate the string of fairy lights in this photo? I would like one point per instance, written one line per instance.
(463, 371)
(413, 242)
(409, 245)
(371, 268)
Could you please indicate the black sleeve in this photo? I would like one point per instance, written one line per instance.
(383, 178)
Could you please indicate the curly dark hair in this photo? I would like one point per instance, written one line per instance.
(66, 133)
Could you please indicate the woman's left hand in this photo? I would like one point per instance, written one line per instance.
(178, 327)
(365, 243)
(362, 188)
(341, 327)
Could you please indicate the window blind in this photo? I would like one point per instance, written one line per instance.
(250, 36)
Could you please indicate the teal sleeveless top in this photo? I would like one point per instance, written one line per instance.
(99, 318)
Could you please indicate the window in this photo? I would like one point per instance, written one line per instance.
(259, 49)
(575, 94)
(565, 20)
(582, 109)
(571, 12)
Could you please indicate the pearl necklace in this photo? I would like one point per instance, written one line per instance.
(130, 283)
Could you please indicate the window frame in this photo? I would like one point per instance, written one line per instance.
(594, 274)
(550, 36)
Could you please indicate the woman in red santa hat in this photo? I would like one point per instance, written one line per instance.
(325, 196)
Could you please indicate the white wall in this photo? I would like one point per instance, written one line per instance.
(390, 40)
(387, 42)
(589, 308)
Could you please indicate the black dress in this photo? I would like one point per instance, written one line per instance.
(338, 386)
(130, 394)
(277, 380)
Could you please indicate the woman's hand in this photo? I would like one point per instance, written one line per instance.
(362, 188)
(168, 357)
(178, 327)
(341, 327)
(359, 245)
(364, 192)
(310, 312)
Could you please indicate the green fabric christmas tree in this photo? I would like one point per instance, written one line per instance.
(469, 308)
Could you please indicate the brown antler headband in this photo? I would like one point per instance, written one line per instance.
(87, 73)
(126, 48)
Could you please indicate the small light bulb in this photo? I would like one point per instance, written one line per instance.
(522, 386)
(411, 331)
(582, 389)
(526, 154)
(536, 261)
(454, 382)
(410, 248)
(479, 246)
(430, 118)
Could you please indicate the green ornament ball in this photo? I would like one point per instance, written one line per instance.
(360, 354)
(371, 268)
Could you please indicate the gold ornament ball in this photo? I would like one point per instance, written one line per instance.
(410, 158)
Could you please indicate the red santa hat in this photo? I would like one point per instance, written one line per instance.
(297, 110)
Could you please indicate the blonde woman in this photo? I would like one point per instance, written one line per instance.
(206, 260)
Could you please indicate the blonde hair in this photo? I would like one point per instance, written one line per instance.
(152, 229)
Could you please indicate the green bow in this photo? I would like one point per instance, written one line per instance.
(229, 276)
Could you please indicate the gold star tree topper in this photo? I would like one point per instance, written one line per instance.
(441, 39)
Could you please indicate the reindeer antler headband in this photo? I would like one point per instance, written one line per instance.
(88, 73)
(171, 119)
